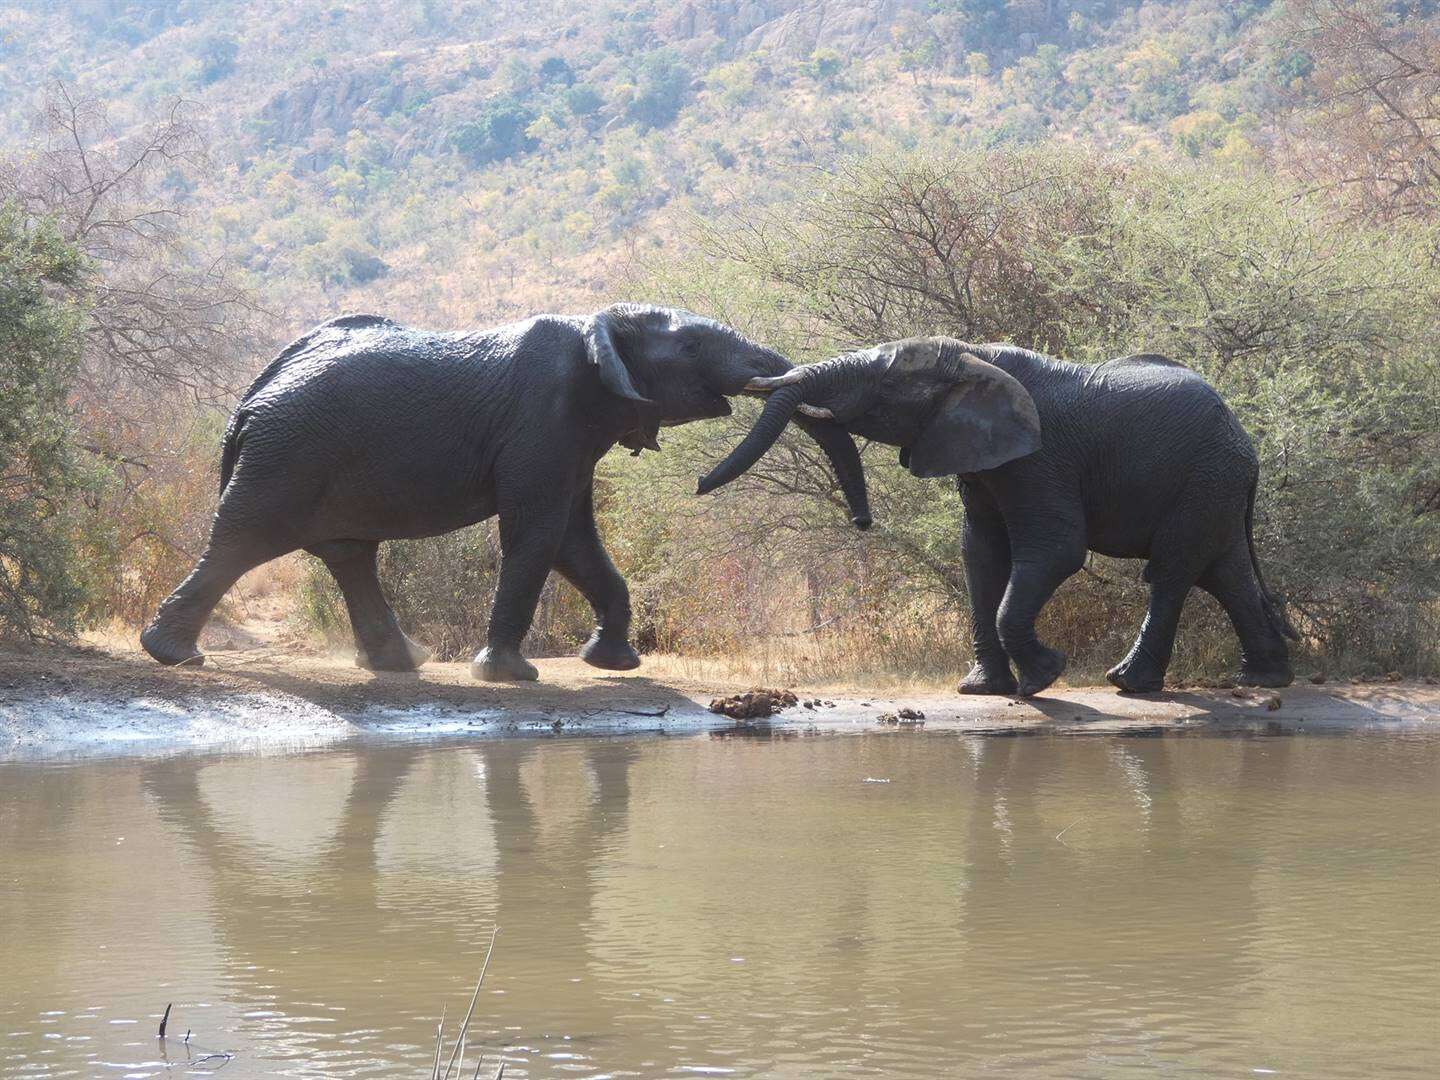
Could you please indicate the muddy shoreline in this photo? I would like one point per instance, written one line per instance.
(88, 703)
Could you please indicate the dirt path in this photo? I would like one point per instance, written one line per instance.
(65, 703)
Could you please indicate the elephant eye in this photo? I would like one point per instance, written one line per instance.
(690, 348)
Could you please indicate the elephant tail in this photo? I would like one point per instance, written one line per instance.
(1274, 607)
(230, 447)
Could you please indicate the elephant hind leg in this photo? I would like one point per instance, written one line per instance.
(1192, 537)
(1143, 669)
(172, 635)
(382, 645)
(1264, 656)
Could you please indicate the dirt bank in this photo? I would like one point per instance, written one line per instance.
(87, 702)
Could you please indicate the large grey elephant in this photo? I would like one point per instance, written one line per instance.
(1136, 458)
(364, 430)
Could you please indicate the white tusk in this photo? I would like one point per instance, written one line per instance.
(816, 411)
(778, 380)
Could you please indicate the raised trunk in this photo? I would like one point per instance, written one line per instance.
(780, 406)
(834, 440)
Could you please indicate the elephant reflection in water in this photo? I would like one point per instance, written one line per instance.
(1151, 914)
(391, 946)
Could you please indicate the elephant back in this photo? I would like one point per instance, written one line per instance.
(326, 332)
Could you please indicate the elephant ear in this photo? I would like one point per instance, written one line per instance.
(600, 333)
(645, 437)
(984, 417)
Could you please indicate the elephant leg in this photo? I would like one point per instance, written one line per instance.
(583, 561)
(1264, 656)
(986, 549)
(383, 646)
(1144, 666)
(172, 635)
(1036, 571)
(530, 540)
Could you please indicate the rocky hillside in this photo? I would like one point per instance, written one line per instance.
(455, 161)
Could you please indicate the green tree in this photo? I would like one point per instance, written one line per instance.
(661, 89)
(977, 64)
(217, 58)
(556, 69)
(497, 133)
(583, 100)
(824, 65)
(517, 75)
(40, 478)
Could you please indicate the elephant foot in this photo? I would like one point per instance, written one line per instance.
(1040, 670)
(1275, 676)
(982, 680)
(609, 654)
(495, 664)
(167, 650)
(1132, 676)
(397, 655)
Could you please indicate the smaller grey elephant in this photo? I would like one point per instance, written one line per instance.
(1134, 458)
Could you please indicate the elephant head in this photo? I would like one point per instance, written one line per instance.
(949, 410)
(675, 366)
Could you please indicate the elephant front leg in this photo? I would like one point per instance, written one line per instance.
(586, 565)
(530, 539)
(986, 549)
(1033, 580)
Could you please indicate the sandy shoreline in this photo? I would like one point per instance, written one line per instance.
(90, 703)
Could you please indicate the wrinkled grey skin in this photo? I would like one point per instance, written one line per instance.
(364, 430)
(1136, 458)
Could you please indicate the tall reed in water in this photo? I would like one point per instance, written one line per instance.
(456, 1062)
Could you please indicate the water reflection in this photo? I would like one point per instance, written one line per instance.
(1037, 907)
(406, 857)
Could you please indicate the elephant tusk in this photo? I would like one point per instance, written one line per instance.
(752, 390)
(778, 380)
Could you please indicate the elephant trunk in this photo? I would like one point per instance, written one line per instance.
(839, 447)
(785, 403)
(779, 408)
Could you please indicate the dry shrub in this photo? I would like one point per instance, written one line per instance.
(144, 534)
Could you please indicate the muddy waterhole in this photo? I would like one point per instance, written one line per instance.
(911, 905)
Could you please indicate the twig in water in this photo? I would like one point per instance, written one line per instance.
(439, 1042)
(465, 1024)
(1066, 829)
(223, 1056)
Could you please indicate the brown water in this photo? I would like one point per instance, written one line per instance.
(1018, 907)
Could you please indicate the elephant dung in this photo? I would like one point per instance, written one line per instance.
(754, 703)
(903, 718)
